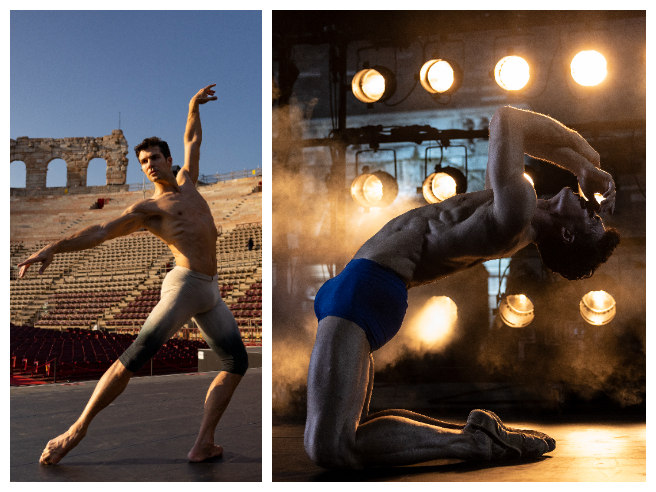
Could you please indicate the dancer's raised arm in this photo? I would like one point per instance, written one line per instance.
(194, 134)
(542, 137)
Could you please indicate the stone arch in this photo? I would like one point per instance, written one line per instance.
(36, 153)
(93, 163)
(53, 174)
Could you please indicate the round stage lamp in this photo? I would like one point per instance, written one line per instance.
(442, 184)
(377, 189)
(598, 196)
(373, 84)
(440, 76)
(588, 68)
(516, 311)
(598, 307)
(512, 73)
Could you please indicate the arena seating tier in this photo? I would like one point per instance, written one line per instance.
(80, 354)
(112, 288)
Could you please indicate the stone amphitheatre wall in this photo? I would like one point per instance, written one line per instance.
(36, 153)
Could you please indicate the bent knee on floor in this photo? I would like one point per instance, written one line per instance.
(331, 450)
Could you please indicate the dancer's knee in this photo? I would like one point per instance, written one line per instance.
(144, 348)
(236, 361)
(122, 369)
(330, 449)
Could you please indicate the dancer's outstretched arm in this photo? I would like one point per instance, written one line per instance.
(132, 220)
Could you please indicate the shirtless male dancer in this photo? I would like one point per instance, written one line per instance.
(363, 307)
(179, 216)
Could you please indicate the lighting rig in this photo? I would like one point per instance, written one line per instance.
(374, 136)
(444, 76)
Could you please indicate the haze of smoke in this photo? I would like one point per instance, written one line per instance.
(609, 360)
(290, 362)
(608, 367)
(408, 343)
(294, 221)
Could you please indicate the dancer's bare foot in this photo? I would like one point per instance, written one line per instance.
(203, 452)
(58, 447)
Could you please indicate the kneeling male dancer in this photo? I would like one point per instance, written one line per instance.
(363, 307)
(179, 216)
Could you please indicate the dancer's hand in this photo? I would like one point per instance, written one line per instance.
(45, 257)
(204, 95)
(593, 180)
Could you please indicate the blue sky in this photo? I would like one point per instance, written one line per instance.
(72, 72)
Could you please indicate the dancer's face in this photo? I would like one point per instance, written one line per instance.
(154, 165)
(566, 211)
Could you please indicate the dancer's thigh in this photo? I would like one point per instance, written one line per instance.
(177, 305)
(338, 379)
(220, 331)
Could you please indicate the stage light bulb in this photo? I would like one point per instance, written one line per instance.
(373, 85)
(373, 189)
(588, 68)
(443, 186)
(437, 76)
(512, 73)
(516, 311)
(377, 189)
(597, 307)
(437, 320)
(438, 187)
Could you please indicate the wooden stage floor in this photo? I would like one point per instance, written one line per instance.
(144, 435)
(590, 451)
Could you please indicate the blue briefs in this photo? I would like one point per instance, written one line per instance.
(368, 294)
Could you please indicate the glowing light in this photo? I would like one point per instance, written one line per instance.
(516, 311)
(437, 76)
(378, 189)
(437, 320)
(438, 187)
(602, 442)
(528, 178)
(443, 184)
(512, 73)
(597, 307)
(373, 189)
(373, 84)
(588, 68)
(598, 196)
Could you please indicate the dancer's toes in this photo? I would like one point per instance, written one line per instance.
(523, 443)
(205, 452)
(59, 447)
(487, 448)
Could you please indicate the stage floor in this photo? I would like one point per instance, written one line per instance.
(144, 435)
(609, 451)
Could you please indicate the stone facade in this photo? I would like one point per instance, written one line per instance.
(36, 153)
